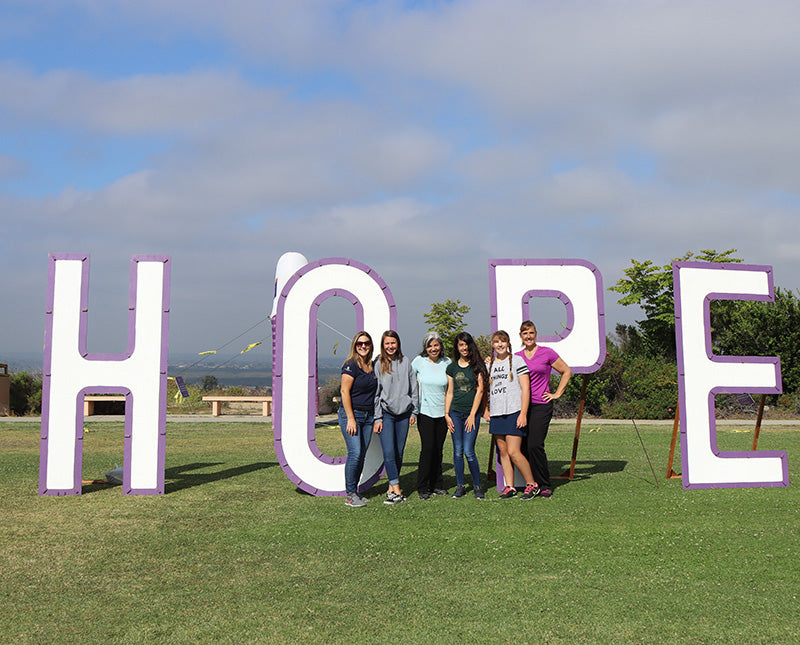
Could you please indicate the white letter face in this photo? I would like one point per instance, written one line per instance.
(701, 375)
(70, 372)
(577, 283)
(295, 368)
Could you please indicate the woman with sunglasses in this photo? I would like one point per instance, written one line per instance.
(356, 412)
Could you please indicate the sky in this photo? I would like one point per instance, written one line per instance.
(421, 138)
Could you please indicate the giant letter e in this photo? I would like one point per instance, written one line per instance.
(702, 374)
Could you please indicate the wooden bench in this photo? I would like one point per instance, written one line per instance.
(90, 399)
(217, 401)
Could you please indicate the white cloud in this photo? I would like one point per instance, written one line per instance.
(136, 105)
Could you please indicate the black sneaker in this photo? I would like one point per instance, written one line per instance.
(508, 492)
(440, 491)
(393, 498)
(424, 495)
(479, 494)
(460, 492)
(531, 490)
(545, 493)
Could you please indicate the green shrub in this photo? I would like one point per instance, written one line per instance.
(25, 393)
(648, 389)
(326, 394)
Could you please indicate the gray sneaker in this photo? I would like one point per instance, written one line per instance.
(353, 500)
(460, 491)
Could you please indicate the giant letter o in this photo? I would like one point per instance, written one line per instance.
(295, 367)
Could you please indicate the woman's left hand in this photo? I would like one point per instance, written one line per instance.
(469, 424)
(377, 427)
(522, 420)
(550, 397)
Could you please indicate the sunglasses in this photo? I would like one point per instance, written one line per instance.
(363, 343)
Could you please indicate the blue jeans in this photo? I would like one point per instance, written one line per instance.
(464, 446)
(357, 445)
(393, 441)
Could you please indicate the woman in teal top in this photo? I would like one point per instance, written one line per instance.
(430, 368)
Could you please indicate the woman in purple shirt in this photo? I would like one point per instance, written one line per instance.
(541, 361)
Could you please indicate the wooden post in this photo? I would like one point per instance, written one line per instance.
(758, 421)
(671, 474)
(491, 475)
(570, 472)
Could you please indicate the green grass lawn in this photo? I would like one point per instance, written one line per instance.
(235, 553)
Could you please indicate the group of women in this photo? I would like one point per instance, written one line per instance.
(440, 395)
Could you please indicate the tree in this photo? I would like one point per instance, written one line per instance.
(650, 287)
(484, 344)
(209, 382)
(447, 319)
(753, 328)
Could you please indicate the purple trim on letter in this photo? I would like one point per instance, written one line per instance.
(712, 425)
(277, 377)
(99, 388)
(494, 263)
(548, 293)
(312, 366)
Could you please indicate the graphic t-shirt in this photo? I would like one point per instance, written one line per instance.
(505, 394)
(464, 387)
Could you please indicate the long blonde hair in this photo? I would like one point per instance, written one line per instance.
(354, 355)
(502, 335)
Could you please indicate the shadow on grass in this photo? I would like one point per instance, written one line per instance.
(186, 479)
(583, 470)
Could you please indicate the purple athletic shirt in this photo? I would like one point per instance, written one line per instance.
(540, 367)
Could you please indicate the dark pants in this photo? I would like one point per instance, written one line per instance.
(432, 433)
(539, 415)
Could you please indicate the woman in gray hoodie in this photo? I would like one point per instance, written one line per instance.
(396, 406)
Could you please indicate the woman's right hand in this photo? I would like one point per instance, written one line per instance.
(377, 427)
(449, 422)
(352, 428)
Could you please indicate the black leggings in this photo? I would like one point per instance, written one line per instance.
(432, 434)
(539, 415)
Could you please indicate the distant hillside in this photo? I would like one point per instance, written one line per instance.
(234, 372)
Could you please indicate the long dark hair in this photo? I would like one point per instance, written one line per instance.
(386, 362)
(474, 357)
